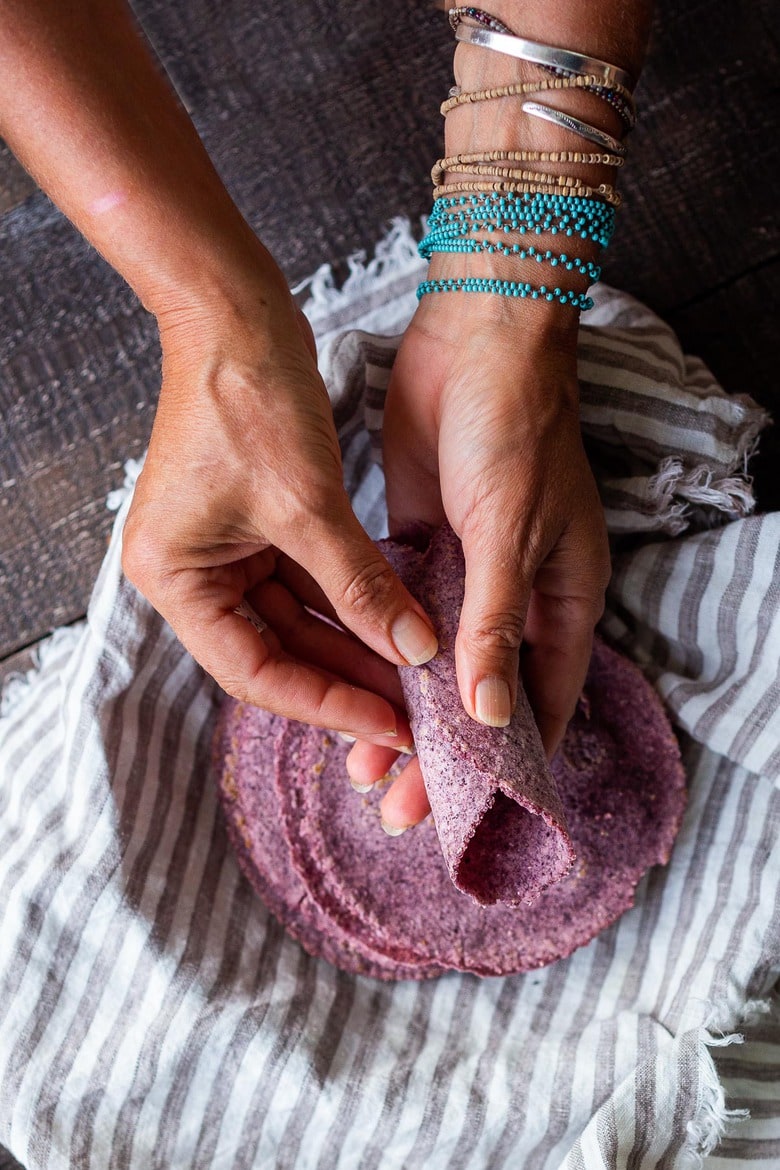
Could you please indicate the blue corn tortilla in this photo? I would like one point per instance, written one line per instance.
(494, 799)
(387, 907)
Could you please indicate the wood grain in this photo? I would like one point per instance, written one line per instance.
(8, 1162)
(15, 186)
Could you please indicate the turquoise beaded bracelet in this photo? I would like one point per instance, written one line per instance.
(505, 288)
(554, 259)
(455, 219)
(557, 214)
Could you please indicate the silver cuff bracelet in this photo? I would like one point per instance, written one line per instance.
(547, 55)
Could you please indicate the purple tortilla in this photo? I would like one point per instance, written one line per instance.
(494, 800)
(249, 737)
(383, 906)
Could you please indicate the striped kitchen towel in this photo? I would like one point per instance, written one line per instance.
(152, 1014)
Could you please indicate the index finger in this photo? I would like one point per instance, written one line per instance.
(247, 667)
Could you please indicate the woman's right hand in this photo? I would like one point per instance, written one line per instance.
(241, 499)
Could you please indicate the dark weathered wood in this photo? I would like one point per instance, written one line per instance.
(699, 186)
(78, 366)
(737, 328)
(15, 186)
(322, 118)
(8, 1162)
(18, 663)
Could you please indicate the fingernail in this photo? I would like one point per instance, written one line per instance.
(493, 702)
(347, 738)
(408, 751)
(414, 639)
(394, 830)
(360, 787)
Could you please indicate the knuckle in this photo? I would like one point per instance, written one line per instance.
(144, 560)
(137, 557)
(369, 585)
(502, 631)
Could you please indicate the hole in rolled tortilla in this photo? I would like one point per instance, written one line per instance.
(512, 850)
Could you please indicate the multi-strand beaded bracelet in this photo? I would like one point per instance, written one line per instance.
(505, 202)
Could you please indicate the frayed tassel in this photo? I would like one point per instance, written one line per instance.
(758, 420)
(394, 255)
(116, 498)
(731, 495)
(713, 1119)
(16, 687)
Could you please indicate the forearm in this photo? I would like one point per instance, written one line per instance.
(90, 113)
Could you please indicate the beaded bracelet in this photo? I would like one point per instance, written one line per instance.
(505, 288)
(518, 200)
(587, 268)
(455, 15)
(455, 220)
(456, 162)
(536, 212)
(457, 96)
(509, 186)
(544, 178)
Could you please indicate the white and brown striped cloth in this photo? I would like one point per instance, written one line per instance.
(153, 1015)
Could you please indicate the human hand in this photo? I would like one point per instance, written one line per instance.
(481, 427)
(241, 500)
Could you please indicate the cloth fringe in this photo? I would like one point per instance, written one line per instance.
(731, 496)
(394, 255)
(713, 1119)
(17, 685)
(117, 497)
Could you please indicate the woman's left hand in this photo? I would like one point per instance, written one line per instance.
(481, 428)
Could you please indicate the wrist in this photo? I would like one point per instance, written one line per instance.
(205, 260)
(497, 325)
(231, 307)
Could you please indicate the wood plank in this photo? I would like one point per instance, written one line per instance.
(79, 368)
(15, 184)
(8, 1161)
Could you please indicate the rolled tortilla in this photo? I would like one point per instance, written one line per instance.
(494, 799)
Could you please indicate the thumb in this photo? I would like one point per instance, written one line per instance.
(499, 577)
(361, 586)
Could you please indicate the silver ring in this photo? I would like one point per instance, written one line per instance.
(565, 59)
(245, 610)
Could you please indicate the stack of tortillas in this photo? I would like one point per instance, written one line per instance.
(519, 863)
